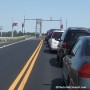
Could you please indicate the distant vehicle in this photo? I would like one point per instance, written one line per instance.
(68, 38)
(54, 39)
(48, 34)
(76, 65)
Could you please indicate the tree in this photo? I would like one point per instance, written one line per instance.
(15, 33)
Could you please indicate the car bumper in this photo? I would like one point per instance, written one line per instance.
(54, 47)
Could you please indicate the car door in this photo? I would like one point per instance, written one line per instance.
(69, 67)
(74, 57)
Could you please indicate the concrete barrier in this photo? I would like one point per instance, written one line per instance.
(13, 39)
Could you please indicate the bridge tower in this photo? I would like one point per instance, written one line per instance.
(38, 28)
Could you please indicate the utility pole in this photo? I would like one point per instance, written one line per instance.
(60, 24)
(24, 25)
(66, 24)
(12, 27)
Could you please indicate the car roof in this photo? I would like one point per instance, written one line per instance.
(54, 29)
(58, 31)
(77, 28)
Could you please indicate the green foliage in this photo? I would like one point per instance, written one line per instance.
(15, 33)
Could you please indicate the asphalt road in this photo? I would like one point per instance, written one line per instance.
(45, 74)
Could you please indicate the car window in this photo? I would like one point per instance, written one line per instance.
(76, 47)
(87, 48)
(57, 35)
(74, 35)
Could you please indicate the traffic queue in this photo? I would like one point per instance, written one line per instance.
(73, 54)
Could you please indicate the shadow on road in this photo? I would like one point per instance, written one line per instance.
(46, 44)
(48, 51)
(56, 84)
(53, 62)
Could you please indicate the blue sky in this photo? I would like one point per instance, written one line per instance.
(76, 12)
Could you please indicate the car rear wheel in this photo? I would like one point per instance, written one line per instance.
(61, 55)
(63, 80)
(68, 81)
(57, 58)
(50, 49)
(60, 62)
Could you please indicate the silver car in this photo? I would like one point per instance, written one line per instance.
(76, 65)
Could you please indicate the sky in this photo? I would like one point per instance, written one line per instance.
(75, 12)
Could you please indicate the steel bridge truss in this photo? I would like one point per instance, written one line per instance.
(38, 27)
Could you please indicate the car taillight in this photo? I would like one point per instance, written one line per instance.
(64, 45)
(85, 71)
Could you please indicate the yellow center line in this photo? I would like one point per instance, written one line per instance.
(16, 81)
(23, 82)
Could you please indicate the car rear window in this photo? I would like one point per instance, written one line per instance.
(87, 48)
(75, 34)
(57, 35)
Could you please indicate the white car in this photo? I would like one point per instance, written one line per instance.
(54, 40)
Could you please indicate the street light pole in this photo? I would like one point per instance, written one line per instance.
(24, 25)
(12, 27)
(66, 24)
